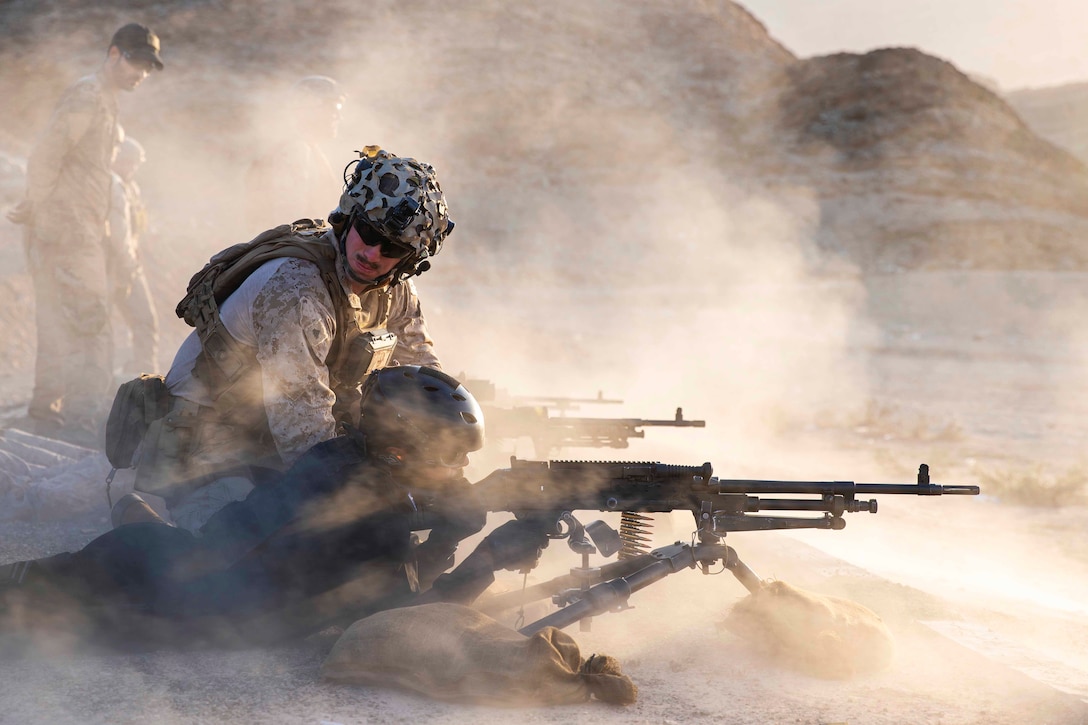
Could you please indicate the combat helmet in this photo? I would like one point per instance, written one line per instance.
(401, 199)
(320, 87)
(422, 410)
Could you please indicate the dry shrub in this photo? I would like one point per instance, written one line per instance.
(819, 635)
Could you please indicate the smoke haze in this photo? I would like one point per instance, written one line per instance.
(613, 235)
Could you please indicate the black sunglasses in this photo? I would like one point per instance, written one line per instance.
(372, 237)
(138, 62)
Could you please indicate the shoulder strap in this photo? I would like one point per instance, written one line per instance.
(222, 360)
(226, 271)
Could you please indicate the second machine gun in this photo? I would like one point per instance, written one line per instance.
(549, 492)
(545, 420)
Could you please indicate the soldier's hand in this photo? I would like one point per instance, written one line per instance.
(22, 213)
(460, 510)
(517, 545)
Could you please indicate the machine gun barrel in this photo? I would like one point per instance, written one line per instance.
(608, 423)
(838, 488)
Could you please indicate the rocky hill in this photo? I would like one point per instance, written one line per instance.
(566, 131)
(919, 166)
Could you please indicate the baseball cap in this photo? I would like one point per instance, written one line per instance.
(137, 41)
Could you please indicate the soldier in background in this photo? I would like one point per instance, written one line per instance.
(293, 179)
(65, 211)
(130, 292)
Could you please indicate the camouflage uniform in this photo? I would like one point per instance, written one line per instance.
(130, 292)
(284, 312)
(68, 197)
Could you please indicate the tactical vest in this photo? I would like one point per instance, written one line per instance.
(230, 369)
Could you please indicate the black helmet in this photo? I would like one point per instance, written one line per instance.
(422, 410)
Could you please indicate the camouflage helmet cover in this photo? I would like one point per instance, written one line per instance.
(400, 197)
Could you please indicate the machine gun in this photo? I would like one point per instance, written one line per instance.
(544, 420)
(549, 492)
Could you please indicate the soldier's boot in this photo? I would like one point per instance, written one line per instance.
(132, 509)
(41, 421)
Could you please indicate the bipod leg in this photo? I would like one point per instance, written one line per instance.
(501, 602)
(740, 570)
(612, 594)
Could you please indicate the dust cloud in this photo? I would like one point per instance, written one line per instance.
(667, 282)
(694, 295)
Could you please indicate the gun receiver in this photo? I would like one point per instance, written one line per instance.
(551, 491)
(536, 488)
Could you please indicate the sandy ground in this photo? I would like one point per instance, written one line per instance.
(979, 374)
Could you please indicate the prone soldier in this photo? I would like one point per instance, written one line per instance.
(326, 542)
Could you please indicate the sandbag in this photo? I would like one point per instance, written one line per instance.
(824, 636)
(456, 654)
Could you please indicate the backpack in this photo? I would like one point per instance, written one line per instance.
(137, 404)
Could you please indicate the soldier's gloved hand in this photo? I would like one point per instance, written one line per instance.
(463, 511)
(517, 545)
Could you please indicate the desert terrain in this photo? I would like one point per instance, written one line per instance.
(834, 308)
(984, 596)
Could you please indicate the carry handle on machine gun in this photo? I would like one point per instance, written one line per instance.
(549, 492)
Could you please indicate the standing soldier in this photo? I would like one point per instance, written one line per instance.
(129, 289)
(66, 207)
(293, 179)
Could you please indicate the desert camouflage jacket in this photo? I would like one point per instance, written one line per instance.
(127, 220)
(68, 172)
(285, 313)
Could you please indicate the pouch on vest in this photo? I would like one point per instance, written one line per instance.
(138, 403)
(370, 351)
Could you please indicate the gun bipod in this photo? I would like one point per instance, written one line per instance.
(613, 588)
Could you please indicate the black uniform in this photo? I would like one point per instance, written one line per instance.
(326, 542)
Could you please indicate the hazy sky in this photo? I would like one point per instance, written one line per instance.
(1017, 43)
